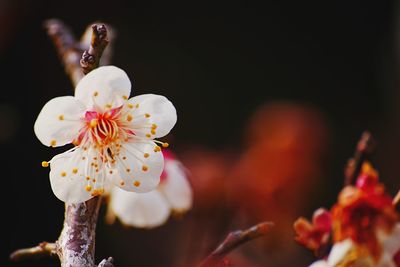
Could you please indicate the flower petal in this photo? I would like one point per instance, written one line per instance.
(104, 88)
(339, 251)
(138, 167)
(73, 178)
(176, 188)
(320, 263)
(391, 242)
(151, 114)
(59, 121)
(145, 210)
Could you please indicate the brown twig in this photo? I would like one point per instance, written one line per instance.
(234, 240)
(68, 48)
(75, 246)
(107, 262)
(91, 57)
(41, 250)
(364, 149)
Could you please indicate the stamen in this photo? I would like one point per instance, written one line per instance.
(74, 170)
(93, 123)
(145, 168)
(146, 155)
(45, 164)
(147, 115)
(95, 93)
(53, 143)
(61, 117)
(63, 174)
(129, 118)
(136, 183)
(88, 188)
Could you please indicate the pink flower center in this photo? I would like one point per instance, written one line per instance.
(103, 128)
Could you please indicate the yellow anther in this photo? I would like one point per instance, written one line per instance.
(147, 115)
(45, 164)
(94, 180)
(148, 135)
(88, 188)
(165, 145)
(87, 178)
(157, 149)
(130, 105)
(129, 117)
(145, 168)
(125, 97)
(136, 183)
(93, 123)
(137, 105)
(95, 93)
(108, 106)
(154, 126)
(75, 170)
(63, 174)
(53, 142)
(61, 117)
(146, 155)
(122, 183)
(97, 192)
(153, 131)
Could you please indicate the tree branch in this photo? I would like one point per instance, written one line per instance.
(91, 57)
(68, 48)
(76, 244)
(41, 250)
(364, 149)
(234, 240)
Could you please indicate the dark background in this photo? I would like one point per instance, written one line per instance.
(217, 62)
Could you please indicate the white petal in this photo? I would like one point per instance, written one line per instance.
(386, 260)
(59, 121)
(104, 88)
(138, 167)
(339, 251)
(176, 187)
(139, 210)
(73, 179)
(320, 263)
(151, 110)
(391, 243)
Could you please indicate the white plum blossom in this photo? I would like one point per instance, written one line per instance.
(346, 253)
(113, 136)
(153, 209)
